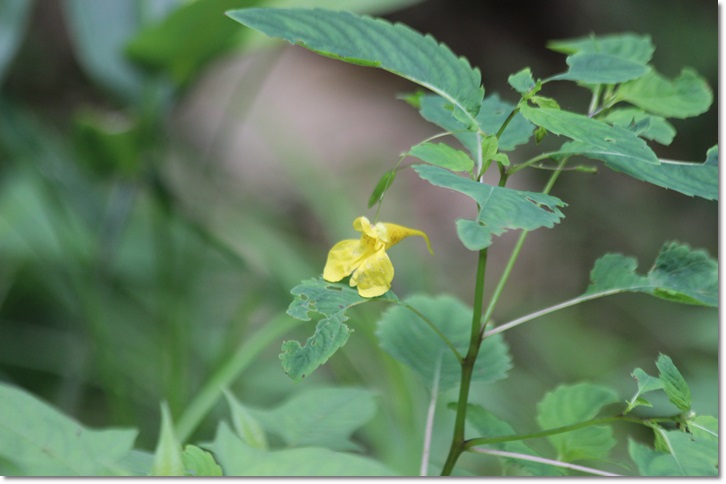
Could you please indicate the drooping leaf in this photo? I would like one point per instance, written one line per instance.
(381, 187)
(689, 455)
(37, 440)
(248, 428)
(330, 300)
(443, 155)
(168, 454)
(595, 137)
(199, 463)
(500, 209)
(239, 459)
(571, 404)
(322, 417)
(645, 125)
(679, 274)
(600, 68)
(406, 337)
(633, 47)
(14, 16)
(674, 384)
(685, 96)
(377, 43)
(489, 425)
(522, 81)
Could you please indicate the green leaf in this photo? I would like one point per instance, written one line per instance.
(14, 16)
(646, 383)
(599, 68)
(522, 81)
(381, 187)
(645, 125)
(199, 463)
(238, 459)
(489, 147)
(568, 405)
(247, 427)
(376, 43)
(488, 425)
(674, 384)
(331, 300)
(442, 155)
(636, 48)
(37, 440)
(595, 137)
(704, 426)
(679, 274)
(406, 337)
(168, 455)
(685, 96)
(500, 209)
(688, 456)
(324, 417)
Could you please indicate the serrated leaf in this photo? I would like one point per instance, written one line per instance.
(381, 187)
(442, 155)
(571, 404)
(168, 454)
(688, 456)
(324, 417)
(594, 137)
(406, 337)
(600, 68)
(500, 209)
(674, 384)
(522, 81)
(685, 96)
(645, 125)
(238, 459)
(633, 47)
(488, 425)
(679, 274)
(247, 427)
(38, 440)
(331, 300)
(377, 43)
(199, 463)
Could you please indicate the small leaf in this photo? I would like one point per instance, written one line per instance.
(545, 102)
(674, 384)
(646, 383)
(500, 209)
(685, 96)
(168, 455)
(568, 405)
(381, 187)
(539, 134)
(489, 147)
(522, 81)
(679, 274)
(633, 47)
(442, 155)
(656, 128)
(502, 159)
(599, 68)
(406, 337)
(247, 427)
(199, 463)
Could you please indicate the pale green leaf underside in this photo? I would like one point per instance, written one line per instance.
(646, 383)
(199, 463)
(522, 81)
(40, 441)
(633, 47)
(679, 274)
(442, 155)
(168, 454)
(500, 209)
(690, 456)
(406, 337)
(373, 42)
(245, 424)
(674, 384)
(645, 125)
(577, 403)
(599, 68)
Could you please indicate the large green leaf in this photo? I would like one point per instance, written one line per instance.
(239, 459)
(377, 43)
(633, 47)
(14, 16)
(645, 125)
(500, 209)
(679, 274)
(324, 417)
(595, 137)
(599, 68)
(571, 404)
(331, 300)
(674, 384)
(406, 337)
(685, 96)
(689, 454)
(37, 440)
(489, 425)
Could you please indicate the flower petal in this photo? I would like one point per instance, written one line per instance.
(343, 259)
(396, 233)
(374, 275)
(362, 224)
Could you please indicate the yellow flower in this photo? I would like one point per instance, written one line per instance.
(366, 258)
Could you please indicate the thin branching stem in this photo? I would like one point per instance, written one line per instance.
(542, 460)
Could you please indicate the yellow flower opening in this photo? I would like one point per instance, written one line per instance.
(366, 258)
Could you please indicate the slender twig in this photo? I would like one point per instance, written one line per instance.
(542, 460)
(430, 418)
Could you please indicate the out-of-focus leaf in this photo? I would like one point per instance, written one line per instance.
(324, 417)
(13, 19)
(674, 384)
(500, 208)
(600, 68)
(381, 187)
(570, 404)
(248, 428)
(40, 441)
(679, 274)
(689, 456)
(168, 455)
(633, 47)
(405, 336)
(374, 43)
(238, 459)
(108, 143)
(442, 155)
(685, 96)
(199, 463)
(645, 125)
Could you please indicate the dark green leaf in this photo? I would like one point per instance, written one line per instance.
(405, 336)
(679, 274)
(381, 187)
(442, 155)
(376, 43)
(568, 405)
(636, 48)
(500, 209)
(642, 124)
(685, 96)
(599, 68)
(199, 463)
(522, 81)
(674, 384)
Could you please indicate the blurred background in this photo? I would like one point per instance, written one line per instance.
(167, 176)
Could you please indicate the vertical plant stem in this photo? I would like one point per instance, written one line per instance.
(430, 418)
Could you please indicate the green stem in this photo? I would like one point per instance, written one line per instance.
(227, 373)
(436, 330)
